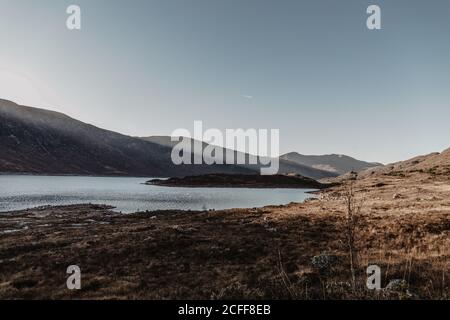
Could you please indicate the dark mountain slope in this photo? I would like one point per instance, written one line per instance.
(45, 142)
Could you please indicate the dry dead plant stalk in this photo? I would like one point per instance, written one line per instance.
(353, 214)
(285, 278)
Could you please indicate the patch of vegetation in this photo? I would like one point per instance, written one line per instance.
(399, 174)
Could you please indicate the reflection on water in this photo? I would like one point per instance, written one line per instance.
(131, 195)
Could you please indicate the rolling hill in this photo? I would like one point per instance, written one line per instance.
(435, 163)
(38, 141)
(338, 164)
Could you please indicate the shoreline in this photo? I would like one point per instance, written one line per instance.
(75, 175)
(232, 187)
(235, 253)
(241, 181)
(112, 208)
(268, 199)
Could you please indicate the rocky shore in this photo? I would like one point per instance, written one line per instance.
(240, 181)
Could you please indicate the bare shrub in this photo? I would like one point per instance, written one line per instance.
(353, 207)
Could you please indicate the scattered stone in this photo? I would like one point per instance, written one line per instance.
(399, 289)
(397, 285)
(397, 196)
(182, 230)
(379, 185)
(324, 262)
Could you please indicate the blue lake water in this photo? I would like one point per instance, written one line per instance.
(130, 194)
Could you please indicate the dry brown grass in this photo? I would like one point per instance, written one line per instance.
(253, 254)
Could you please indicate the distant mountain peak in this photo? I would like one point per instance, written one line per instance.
(336, 163)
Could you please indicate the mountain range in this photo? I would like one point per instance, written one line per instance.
(39, 141)
(336, 163)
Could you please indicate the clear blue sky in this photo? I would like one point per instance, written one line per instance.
(310, 68)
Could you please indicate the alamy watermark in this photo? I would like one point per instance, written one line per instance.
(73, 21)
(373, 277)
(374, 20)
(236, 147)
(74, 280)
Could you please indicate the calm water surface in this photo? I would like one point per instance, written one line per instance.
(131, 195)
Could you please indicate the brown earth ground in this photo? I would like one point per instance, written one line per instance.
(252, 253)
